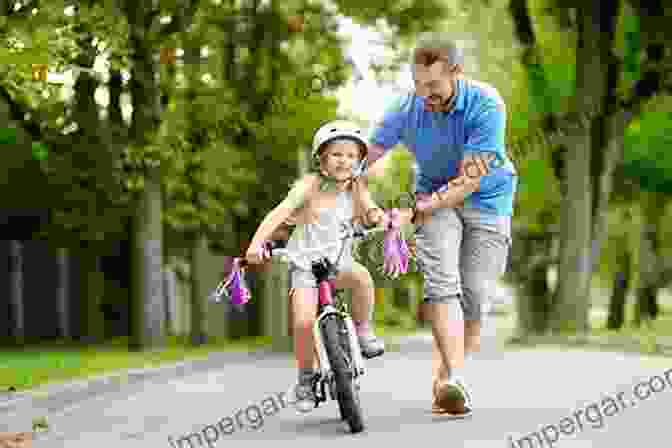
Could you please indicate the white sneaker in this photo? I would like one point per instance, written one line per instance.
(302, 397)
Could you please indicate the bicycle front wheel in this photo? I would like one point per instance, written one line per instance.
(346, 392)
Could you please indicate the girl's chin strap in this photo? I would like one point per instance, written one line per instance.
(330, 181)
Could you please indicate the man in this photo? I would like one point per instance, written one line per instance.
(452, 125)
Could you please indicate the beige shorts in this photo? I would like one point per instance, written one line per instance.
(461, 254)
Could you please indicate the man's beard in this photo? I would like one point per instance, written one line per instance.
(437, 103)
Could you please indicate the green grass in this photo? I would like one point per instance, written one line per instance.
(35, 365)
(662, 326)
(649, 336)
(31, 366)
(647, 339)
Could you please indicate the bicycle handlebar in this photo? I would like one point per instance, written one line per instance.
(277, 247)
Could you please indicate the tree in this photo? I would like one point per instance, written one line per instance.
(600, 112)
(104, 177)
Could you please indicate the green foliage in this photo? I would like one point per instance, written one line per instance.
(648, 140)
(538, 198)
(629, 46)
(254, 112)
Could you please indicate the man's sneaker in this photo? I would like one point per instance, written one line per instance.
(371, 346)
(452, 399)
(302, 397)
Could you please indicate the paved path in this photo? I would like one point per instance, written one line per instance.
(516, 393)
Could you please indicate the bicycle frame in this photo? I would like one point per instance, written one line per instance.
(324, 272)
(327, 308)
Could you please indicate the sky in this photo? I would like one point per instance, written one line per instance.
(364, 98)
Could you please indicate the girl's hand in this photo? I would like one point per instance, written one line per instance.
(375, 216)
(255, 254)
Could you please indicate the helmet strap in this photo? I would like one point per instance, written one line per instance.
(330, 183)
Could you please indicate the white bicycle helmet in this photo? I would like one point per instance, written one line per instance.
(340, 129)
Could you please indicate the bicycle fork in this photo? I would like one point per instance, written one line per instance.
(355, 349)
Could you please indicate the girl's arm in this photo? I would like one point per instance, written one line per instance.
(368, 212)
(297, 196)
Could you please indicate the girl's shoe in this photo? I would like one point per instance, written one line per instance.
(302, 397)
(371, 346)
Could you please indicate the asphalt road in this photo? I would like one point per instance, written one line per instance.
(515, 394)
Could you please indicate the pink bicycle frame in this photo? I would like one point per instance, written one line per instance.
(325, 292)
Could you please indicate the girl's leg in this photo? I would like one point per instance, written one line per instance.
(290, 304)
(304, 307)
(358, 279)
(360, 282)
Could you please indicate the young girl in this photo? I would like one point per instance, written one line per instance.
(319, 204)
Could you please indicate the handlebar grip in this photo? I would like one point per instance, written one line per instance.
(270, 245)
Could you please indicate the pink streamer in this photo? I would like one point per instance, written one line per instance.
(395, 250)
(236, 286)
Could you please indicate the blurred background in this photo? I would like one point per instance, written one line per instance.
(144, 141)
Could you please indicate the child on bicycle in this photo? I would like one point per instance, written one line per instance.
(319, 204)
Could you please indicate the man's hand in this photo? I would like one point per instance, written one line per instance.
(465, 183)
(475, 165)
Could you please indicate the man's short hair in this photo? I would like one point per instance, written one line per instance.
(434, 46)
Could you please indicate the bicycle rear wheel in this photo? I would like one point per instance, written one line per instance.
(346, 391)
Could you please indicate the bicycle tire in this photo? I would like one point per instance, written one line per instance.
(346, 393)
(345, 346)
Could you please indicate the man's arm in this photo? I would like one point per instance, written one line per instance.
(485, 142)
(385, 134)
(486, 137)
(376, 162)
(456, 192)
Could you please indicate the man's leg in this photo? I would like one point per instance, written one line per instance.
(449, 339)
(485, 248)
(438, 241)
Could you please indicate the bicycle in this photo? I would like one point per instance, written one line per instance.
(341, 363)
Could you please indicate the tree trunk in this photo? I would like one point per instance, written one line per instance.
(533, 302)
(171, 296)
(148, 327)
(571, 304)
(16, 291)
(274, 285)
(619, 294)
(540, 297)
(596, 24)
(612, 155)
(198, 290)
(646, 307)
(92, 288)
(147, 291)
(192, 57)
(63, 293)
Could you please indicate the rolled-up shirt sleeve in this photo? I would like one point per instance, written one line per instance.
(388, 130)
(487, 131)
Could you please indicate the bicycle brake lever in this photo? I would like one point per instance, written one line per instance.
(358, 230)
